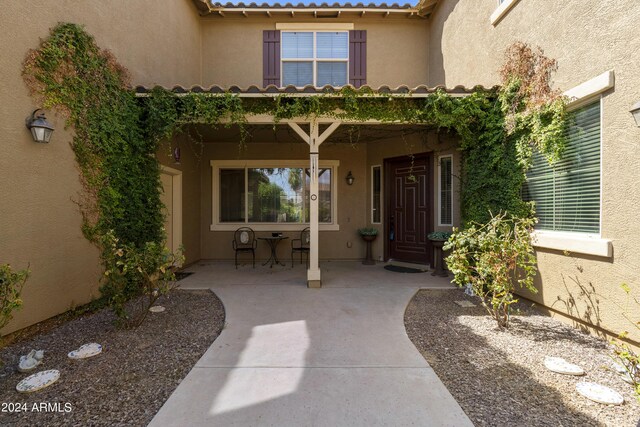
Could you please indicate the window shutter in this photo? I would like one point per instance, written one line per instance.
(358, 57)
(271, 58)
(567, 193)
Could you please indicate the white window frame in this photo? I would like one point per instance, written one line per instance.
(381, 195)
(503, 7)
(314, 61)
(440, 223)
(216, 165)
(583, 243)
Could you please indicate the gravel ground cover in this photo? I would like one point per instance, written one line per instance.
(125, 385)
(498, 377)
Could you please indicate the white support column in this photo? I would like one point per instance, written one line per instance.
(314, 139)
(313, 274)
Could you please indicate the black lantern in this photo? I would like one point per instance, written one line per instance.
(350, 178)
(40, 128)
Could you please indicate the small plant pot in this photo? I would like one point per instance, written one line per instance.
(368, 260)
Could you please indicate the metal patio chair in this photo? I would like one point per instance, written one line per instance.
(244, 240)
(301, 245)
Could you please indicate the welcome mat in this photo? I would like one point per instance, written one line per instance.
(182, 274)
(398, 269)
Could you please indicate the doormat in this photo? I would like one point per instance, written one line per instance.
(182, 274)
(398, 269)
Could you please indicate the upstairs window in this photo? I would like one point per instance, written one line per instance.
(315, 58)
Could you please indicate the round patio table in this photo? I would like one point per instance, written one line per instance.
(273, 244)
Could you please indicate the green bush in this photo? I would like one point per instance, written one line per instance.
(11, 283)
(146, 274)
(493, 258)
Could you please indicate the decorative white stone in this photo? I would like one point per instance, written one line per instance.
(85, 351)
(38, 381)
(156, 309)
(599, 393)
(561, 366)
(30, 361)
(465, 304)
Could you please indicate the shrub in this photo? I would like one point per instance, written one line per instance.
(493, 258)
(132, 272)
(11, 283)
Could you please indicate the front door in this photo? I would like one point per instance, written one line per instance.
(409, 208)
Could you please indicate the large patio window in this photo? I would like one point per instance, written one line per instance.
(316, 58)
(263, 193)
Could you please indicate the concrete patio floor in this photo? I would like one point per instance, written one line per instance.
(293, 356)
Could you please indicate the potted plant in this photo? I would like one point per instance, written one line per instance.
(438, 239)
(368, 234)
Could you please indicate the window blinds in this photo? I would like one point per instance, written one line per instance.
(567, 193)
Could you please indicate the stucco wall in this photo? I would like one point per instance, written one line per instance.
(159, 42)
(587, 37)
(232, 49)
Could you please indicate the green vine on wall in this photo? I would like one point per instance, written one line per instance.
(118, 170)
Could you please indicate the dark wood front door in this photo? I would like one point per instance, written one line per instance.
(408, 202)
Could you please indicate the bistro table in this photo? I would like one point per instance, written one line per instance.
(273, 241)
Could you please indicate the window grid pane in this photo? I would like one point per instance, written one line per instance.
(376, 202)
(297, 73)
(297, 45)
(567, 193)
(332, 45)
(332, 73)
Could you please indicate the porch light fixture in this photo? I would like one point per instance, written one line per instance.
(40, 128)
(635, 111)
(176, 155)
(350, 178)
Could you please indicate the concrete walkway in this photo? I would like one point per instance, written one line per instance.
(292, 356)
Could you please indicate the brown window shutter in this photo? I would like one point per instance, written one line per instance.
(358, 57)
(271, 58)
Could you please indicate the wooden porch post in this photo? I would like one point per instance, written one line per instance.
(314, 139)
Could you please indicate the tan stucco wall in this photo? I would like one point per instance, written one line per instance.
(587, 38)
(39, 223)
(396, 49)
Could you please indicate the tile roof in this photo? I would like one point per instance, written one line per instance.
(324, 5)
(271, 90)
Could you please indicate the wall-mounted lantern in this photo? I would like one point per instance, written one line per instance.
(635, 111)
(350, 178)
(40, 128)
(176, 155)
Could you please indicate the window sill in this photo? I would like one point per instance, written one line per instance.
(502, 10)
(573, 242)
(271, 227)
